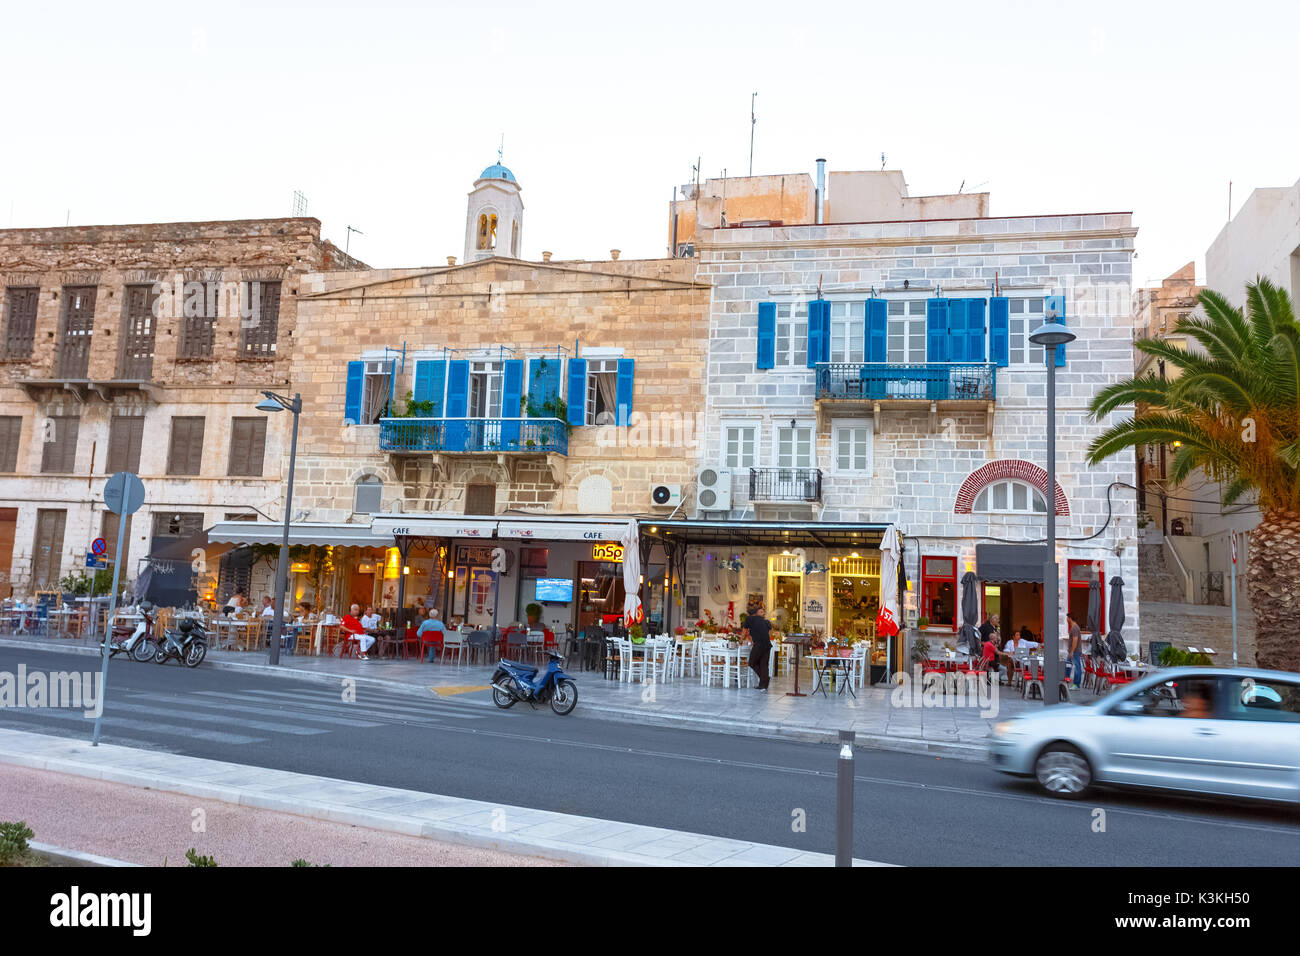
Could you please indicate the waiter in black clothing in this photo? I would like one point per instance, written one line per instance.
(760, 654)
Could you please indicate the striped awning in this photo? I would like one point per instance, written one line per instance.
(340, 535)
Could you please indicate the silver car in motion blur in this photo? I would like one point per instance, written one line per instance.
(1234, 732)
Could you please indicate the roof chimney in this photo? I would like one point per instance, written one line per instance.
(546, 257)
(613, 253)
(451, 260)
(821, 192)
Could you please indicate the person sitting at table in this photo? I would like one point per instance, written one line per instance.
(428, 625)
(268, 607)
(370, 620)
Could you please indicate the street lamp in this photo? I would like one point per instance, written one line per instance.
(1049, 336)
(278, 403)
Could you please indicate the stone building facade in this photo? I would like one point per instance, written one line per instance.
(143, 348)
(878, 372)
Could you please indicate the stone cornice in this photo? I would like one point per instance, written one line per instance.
(843, 242)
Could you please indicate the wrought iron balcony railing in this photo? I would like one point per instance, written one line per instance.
(785, 484)
(937, 381)
(520, 436)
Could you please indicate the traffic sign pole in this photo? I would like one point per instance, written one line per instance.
(1232, 536)
(124, 494)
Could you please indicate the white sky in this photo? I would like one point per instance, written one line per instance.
(383, 115)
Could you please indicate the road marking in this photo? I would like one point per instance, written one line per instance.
(165, 730)
(408, 708)
(451, 691)
(242, 722)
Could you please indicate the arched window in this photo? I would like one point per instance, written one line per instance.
(492, 231)
(1013, 497)
(483, 231)
(368, 496)
(514, 240)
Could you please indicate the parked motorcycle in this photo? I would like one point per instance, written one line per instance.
(514, 682)
(135, 640)
(187, 643)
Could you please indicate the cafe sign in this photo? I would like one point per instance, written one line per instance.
(607, 551)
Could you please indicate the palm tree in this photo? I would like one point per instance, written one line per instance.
(1234, 412)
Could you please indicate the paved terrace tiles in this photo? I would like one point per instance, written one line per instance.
(956, 731)
(558, 836)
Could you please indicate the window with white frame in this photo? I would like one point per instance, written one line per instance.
(907, 331)
(485, 390)
(1025, 315)
(1012, 497)
(794, 446)
(792, 335)
(377, 391)
(852, 444)
(602, 391)
(848, 332)
(741, 445)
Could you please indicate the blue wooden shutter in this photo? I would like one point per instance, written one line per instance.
(877, 330)
(352, 397)
(957, 330)
(999, 323)
(819, 332)
(974, 330)
(577, 391)
(544, 384)
(392, 385)
(1056, 303)
(457, 432)
(936, 330)
(623, 393)
(766, 335)
(512, 396)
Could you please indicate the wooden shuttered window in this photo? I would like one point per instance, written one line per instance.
(261, 327)
(125, 436)
(199, 319)
(109, 534)
(78, 326)
(247, 446)
(185, 457)
(20, 321)
(47, 548)
(139, 327)
(59, 450)
(11, 430)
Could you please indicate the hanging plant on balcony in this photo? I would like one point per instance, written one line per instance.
(554, 407)
(413, 409)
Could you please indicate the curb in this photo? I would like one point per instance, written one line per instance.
(912, 745)
(60, 856)
(532, 846)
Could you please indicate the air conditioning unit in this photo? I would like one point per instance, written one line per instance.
(712, 489)
(666, 496)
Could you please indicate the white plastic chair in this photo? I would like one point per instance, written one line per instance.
(635, 665)
(713, 663)
(662, 658)
(453, 642)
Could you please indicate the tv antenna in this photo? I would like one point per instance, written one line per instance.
(882, 162)
(347, 244)
(299, 204)
(753, 121)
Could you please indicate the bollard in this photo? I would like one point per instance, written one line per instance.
(844, 801)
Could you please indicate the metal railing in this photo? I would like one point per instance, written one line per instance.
(785, 484)
(506, 435)
(881, 381)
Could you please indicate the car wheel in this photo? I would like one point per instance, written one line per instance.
(1063, 771)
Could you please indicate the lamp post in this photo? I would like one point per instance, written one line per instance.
(1049, 336)
(278, 403)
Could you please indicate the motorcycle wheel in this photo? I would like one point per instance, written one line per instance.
(143, 651)
(194, 656)
(564, 697)
(501, 699)
(160, 655)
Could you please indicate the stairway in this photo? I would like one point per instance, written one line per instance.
(1156, 582)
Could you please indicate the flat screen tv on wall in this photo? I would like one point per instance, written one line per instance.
(555, 590)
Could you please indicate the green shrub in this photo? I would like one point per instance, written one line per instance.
(1173, 657)
(197, 859)
(13, 842)
(301, 862)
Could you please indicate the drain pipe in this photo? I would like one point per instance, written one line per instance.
(821, 192)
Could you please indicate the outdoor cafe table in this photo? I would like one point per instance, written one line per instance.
(824, 662)
(60, 618)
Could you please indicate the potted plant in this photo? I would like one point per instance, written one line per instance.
(534, 613)
(923, 623)
(920, 650)
(637, 633)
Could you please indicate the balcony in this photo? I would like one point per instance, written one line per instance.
(877, 385)
(785, 485)
(474, 436)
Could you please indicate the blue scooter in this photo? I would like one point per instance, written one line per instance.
(514, 682)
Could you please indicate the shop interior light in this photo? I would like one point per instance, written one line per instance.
(406, 569)
(654, 530)
(450, 575)
(854, 555)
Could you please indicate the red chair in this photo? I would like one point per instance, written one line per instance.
(349, 646)
(427, 640)
(412, 642)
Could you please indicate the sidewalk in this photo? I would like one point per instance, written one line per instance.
(882, 717)
(214, 786)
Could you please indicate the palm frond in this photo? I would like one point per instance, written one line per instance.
(1144, 390)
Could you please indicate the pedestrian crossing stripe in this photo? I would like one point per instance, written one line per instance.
(450, 691)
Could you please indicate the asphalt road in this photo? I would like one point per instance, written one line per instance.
(910, 809)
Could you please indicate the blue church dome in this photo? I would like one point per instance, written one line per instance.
(497, 171)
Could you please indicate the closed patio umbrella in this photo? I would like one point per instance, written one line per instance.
(1115, 645)
(970, 615)
(888, 618)
(631, 542)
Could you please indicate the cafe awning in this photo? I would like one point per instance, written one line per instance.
(500, 527)
(532, 529)
(777, 534)
(340, 535)
(1012, 563)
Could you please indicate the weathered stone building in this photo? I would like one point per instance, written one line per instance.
(142, 348)
(869, 365)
